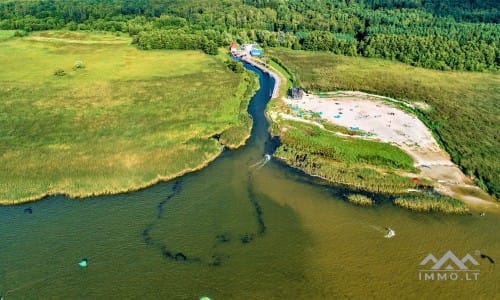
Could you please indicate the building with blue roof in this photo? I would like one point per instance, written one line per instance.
(256, 52)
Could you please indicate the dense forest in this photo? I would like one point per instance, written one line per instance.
(437, 34)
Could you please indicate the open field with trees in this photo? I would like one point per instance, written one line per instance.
(464, 107)
(86, 114)
(443, 35)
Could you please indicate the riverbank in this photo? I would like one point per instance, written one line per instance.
(372, 172)
(459, 107)
(379, 119)
(130, 189)
(116, 122)
(277, 78)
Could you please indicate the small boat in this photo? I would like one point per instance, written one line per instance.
(83, 263)
(390, 233)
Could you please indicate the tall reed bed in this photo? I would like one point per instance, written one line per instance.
(429, 203)
(363, 164)
(126, 120)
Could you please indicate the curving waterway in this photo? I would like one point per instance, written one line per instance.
(242, 228)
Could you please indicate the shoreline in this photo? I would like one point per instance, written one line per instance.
(155, 181)
(369, 114)
(427, 168)
(277, 79)
(131, 189)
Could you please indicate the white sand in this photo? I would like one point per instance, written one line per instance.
(389, 124)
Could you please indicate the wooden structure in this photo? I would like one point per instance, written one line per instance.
(295, 93)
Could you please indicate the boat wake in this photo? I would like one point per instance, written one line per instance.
(389, 232)
(258, 165)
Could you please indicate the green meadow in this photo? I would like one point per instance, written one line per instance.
(6, 34)
(115, 119)
(463, 106)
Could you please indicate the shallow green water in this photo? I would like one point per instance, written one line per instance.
(236, 230)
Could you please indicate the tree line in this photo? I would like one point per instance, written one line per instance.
(438, 34)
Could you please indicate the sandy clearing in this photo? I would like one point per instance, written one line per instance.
(388, 123)
(376, 118)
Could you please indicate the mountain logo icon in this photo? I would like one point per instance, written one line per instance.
(449, 261)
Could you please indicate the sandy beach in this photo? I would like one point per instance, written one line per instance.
(375, 117)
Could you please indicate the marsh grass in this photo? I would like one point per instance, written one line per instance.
(463, 106)
(127, 120)
(363, 164)
(429, 203)
(359, 199)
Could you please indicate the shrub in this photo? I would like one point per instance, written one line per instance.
(78, 65)
(235, 66)
(20, 33)
(59, 72)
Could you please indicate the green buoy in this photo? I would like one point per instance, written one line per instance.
(83, 263)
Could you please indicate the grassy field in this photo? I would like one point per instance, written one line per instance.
(464, 106)
(6, 34)
(125, 120)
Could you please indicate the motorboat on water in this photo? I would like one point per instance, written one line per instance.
(390, 233)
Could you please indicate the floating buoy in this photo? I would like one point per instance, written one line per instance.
(83, 263)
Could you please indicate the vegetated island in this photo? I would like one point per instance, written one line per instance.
(338, 136)
(88, 114)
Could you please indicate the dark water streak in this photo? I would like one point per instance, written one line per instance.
(162, 246)
(259, 136)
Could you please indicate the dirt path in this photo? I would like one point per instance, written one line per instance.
(245, 56)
